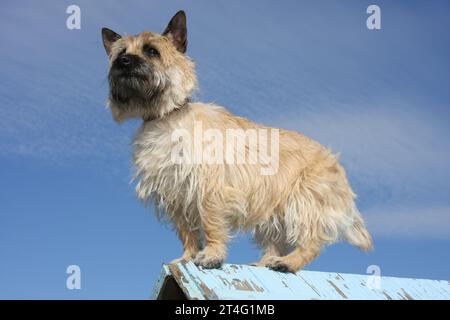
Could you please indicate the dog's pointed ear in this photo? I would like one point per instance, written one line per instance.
(109, 37)
(176, 31)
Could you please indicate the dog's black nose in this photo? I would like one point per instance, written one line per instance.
(128, 61)
(125, 60)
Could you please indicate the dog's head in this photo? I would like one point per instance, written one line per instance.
(149, 73)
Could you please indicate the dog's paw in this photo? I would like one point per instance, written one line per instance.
(207, 261)
(178, 260)
(187, 256)
(277, 264)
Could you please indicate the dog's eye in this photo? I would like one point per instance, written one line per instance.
(150, 51)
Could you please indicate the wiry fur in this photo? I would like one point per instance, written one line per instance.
(306, 204)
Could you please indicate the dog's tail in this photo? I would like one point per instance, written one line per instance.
(358, 235)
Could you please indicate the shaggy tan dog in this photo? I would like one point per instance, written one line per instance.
(211, 173)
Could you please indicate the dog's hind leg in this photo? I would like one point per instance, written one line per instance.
(269, 251)
(295, 260)
(271, 248)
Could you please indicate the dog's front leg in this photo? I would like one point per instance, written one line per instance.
(191, 240)
(216, 237)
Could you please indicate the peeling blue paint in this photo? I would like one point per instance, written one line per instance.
(249, 282)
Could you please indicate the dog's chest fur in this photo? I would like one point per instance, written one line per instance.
(171, 185)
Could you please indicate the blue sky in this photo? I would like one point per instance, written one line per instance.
(380, 98)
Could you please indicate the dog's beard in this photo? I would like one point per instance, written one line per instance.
(142, 86)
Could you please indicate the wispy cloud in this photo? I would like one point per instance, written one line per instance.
(390, 142)
(413, 222)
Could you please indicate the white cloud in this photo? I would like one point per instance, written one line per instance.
(391, 142)
(411, 222)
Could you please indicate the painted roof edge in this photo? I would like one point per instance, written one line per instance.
(249, 282)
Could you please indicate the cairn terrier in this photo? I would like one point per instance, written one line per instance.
(292, 211)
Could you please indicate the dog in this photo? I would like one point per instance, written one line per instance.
(294, 208)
